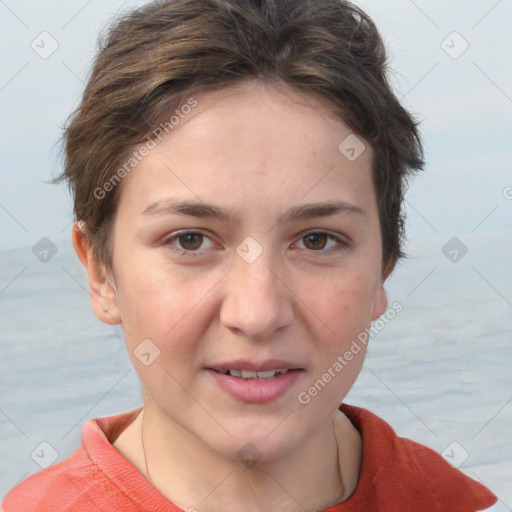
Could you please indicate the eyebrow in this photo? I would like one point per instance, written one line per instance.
(204, 210)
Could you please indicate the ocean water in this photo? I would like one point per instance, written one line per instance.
(440, 372)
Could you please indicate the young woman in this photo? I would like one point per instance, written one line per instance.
(237, 169)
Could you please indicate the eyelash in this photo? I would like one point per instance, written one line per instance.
(342, 245)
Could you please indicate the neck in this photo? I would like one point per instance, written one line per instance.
(319, 473)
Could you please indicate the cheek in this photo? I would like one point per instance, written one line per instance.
(150, 302)
(166, 307)
(161, 329)
(343, 305)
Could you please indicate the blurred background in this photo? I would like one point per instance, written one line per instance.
(439, 373)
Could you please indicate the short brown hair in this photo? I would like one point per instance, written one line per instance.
(153, 58)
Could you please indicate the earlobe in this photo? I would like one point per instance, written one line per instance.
(102, 290)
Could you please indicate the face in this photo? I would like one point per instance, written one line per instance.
(245, 240)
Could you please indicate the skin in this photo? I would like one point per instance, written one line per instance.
(256, 150)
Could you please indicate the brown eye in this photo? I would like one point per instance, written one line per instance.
(322, 242)
(316, 240)
(190, 241)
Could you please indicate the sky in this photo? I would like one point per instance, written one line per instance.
(450, 65)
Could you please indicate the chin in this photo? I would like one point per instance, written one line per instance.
(256, 442)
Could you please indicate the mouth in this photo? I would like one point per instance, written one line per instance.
(252, 374)
(255, 383)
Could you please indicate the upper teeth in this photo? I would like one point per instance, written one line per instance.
(249, 374)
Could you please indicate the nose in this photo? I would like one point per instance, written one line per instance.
(257, 302)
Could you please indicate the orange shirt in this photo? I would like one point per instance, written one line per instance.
(396, 475)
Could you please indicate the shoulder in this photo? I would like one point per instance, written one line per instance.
(89, 479)
(58, 484)
(409, 476)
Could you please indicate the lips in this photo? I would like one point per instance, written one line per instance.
(256, 382)
(243, 365)
(251, 374)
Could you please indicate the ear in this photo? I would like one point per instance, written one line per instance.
(102, 290)
(381, 299)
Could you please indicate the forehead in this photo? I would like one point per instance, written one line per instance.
(251, 143)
